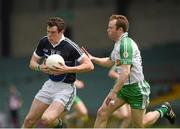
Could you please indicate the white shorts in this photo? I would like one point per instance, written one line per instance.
(57, 91)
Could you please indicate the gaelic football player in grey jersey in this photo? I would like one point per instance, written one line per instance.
(131, 87)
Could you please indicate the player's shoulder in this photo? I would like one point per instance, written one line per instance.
(44, 39)
(70, 43)
(128, 42)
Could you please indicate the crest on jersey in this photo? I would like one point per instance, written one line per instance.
(125, 54)
(53, 51)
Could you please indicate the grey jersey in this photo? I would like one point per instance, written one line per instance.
(126, 52)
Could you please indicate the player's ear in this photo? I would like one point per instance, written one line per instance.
(121, 29)
(62, 31)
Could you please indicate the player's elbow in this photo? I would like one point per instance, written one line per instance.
(30, 66)
(126, 72)
(110, 74)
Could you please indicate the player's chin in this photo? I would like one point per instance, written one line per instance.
(50, 40)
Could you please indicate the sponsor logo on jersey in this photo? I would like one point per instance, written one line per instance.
(45, 50)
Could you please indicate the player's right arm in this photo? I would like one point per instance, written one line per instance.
(34, 62)
(105, 62)
(36, 58)
(34, 65)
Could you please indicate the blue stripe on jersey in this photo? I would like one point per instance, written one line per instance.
(58, 78)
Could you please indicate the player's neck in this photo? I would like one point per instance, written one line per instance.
(59, 39)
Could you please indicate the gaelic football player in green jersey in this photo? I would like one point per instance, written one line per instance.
(131, 86)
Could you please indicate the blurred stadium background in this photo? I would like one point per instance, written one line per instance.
(154, 25)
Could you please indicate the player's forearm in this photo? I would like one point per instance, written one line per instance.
(81, 68)
(112, 74)
(34, 65)
(122, 78)
(104, 62)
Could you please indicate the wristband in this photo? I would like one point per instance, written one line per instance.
(37, 68)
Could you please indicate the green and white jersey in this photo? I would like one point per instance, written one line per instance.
(126, 52)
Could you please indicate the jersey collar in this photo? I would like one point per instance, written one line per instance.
(123, 35)
(62, 38)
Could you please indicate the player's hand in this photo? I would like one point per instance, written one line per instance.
(44, 68)
(60, 69)
(87, 53)
(111, 98)
(79, 84)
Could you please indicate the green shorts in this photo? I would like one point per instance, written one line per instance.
(77, 100)
(136, 94)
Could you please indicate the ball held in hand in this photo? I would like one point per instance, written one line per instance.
(54, 60)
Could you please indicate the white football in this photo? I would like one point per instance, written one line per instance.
(54, 60)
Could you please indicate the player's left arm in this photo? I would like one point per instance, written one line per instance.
(123, 76)
(113, 74)
(126, 55)
(85, 65)
(125, 62)
(119, 83)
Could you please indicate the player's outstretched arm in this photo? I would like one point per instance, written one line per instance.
(105, 62)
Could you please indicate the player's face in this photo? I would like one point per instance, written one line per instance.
(113, 33)
(53, 34)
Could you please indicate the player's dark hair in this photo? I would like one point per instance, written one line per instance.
(121, 22)
(56, 21)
